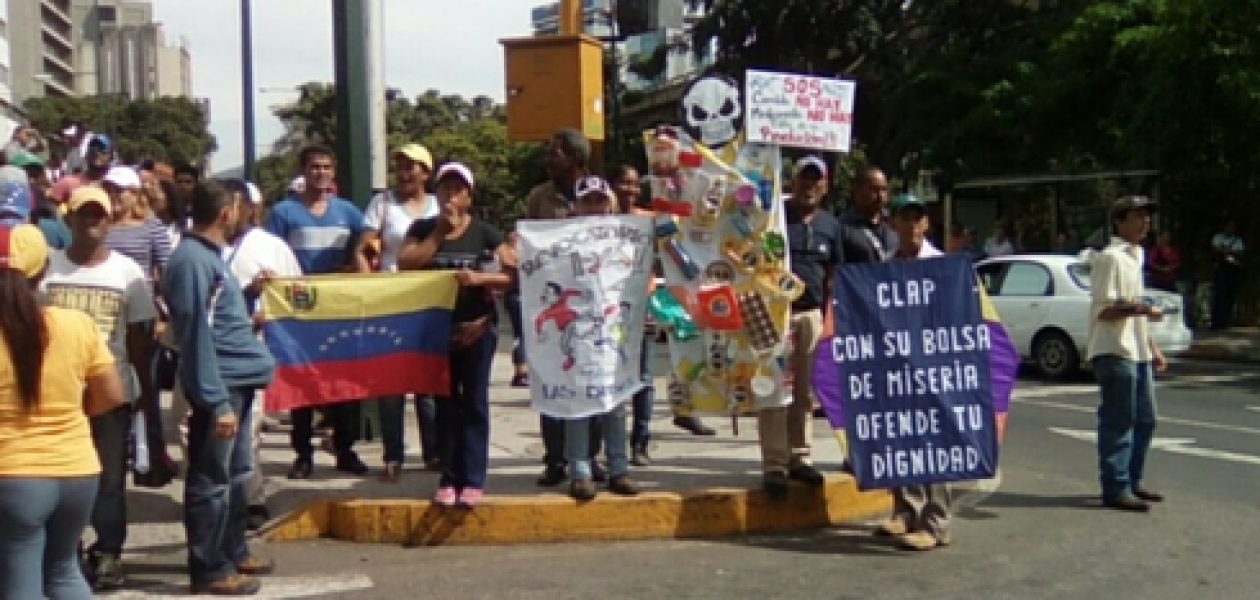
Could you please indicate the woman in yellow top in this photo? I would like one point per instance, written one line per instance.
(48, 466)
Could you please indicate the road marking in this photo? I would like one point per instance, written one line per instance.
(273, 588)
(1162, 419)
(1183, 446)
(1254, 408)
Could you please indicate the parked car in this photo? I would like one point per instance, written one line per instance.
(1044, 303)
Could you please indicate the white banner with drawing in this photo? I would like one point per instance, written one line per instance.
(583, 288)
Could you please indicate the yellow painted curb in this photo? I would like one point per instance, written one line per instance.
(555, 518)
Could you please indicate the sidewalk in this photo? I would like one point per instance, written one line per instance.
(1240, 344)
(696, 486)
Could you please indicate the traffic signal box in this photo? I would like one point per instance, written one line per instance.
(554, 82)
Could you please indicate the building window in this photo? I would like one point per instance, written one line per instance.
(106, 14)
(4, 75)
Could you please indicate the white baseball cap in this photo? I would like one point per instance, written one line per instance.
(123, 177)
(594, 185)
(458, 169)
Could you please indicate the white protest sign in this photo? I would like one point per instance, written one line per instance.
(583, 288)
(799, 110)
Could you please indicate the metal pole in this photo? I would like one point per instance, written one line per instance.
(353, 38)
(376, 92)
(247, 89)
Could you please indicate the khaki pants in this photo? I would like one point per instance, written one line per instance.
(786, 432)
(924, 508)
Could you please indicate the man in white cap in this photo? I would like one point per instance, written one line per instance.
(254, 256)
(814, 243)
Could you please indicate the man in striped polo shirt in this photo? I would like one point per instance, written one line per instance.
(322, 230)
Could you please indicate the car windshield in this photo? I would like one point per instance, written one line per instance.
(1080, 274)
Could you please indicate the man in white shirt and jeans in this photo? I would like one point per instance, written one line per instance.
(1124, 357)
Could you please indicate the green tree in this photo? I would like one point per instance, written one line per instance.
(171, 129)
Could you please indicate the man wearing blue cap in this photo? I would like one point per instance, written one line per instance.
(814, 244)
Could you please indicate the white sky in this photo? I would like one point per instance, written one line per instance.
(449, 45)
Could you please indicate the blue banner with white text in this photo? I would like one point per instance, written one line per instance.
(912, 351)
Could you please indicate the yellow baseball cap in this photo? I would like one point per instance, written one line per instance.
(23, 249)
(89, 194)
(417, 153)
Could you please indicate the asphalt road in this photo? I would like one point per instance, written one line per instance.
(1041, 535)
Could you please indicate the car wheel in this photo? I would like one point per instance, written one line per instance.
(1055, 355)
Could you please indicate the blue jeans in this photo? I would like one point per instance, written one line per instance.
(214, 490)
(641, 405)
(463, 420)
(392, 409)
(1126, 422)
(577, 449)
(42, 520)
(109, 513)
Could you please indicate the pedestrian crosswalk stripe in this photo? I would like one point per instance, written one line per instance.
(273, 588)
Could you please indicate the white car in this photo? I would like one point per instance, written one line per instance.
(1044, 303)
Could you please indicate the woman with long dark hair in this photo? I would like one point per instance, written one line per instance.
(48, 478)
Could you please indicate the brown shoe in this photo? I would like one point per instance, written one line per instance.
(1127, 502)
(232, 585)
(920, 541)
(1148, 495)
(893, 527)
(255, 565)
(582, 490)
(623, 485)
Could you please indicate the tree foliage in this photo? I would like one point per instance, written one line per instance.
(983, 87)
(472, 131)
(171, 129)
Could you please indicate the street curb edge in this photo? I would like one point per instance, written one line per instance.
(555, 518)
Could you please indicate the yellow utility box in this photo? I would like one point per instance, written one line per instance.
(554, 82)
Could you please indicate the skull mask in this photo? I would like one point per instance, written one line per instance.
(713, 111)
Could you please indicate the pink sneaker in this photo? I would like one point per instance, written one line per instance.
(445, 496)
(470, 497)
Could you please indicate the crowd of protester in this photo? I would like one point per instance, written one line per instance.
(151, 280)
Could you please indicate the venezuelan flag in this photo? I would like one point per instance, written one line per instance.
(349, 337)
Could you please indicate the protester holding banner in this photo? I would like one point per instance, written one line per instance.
(814, 246)
(456, 240)
(55, 372)
(1124, 356)
(222, 364)
(321, 229)
(386, 221)
(595, 197)
(568, 157)
(922, 511)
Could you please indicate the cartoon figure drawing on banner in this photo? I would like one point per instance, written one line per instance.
(558, 311)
